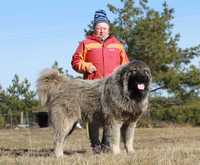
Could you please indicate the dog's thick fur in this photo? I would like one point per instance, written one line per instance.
(111, 102)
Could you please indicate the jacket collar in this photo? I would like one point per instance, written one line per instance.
(94, 37)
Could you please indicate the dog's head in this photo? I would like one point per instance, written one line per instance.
(136, 78)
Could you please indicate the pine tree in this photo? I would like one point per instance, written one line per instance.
(147, 35)
(21, 97)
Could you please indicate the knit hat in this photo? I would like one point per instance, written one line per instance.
(100, 16)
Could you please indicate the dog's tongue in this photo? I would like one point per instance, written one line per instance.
(140, 86)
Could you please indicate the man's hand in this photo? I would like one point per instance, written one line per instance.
(92, 69)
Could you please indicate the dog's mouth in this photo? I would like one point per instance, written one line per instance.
(141, 86)
(138, 84)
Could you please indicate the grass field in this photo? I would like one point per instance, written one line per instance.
(154, 146)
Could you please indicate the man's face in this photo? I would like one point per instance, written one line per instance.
(102, 30)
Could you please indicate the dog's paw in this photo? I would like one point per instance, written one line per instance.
(96, 149)
(131, 151)
(106, 148)
(115, 149)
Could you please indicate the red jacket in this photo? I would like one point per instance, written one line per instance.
(105, 56)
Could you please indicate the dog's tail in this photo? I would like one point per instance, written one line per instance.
(47, 84)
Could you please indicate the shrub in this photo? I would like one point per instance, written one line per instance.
(2, 122)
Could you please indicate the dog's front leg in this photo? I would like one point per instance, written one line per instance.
(116, 137)
(129, 137)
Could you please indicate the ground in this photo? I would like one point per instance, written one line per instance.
(154, 146)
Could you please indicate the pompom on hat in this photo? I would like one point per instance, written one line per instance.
(100, 16)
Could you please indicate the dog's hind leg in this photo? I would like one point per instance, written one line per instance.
(58, 143)
(62, 127)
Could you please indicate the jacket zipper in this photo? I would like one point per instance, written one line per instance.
(103, 57)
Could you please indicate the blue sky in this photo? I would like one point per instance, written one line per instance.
(34, 34)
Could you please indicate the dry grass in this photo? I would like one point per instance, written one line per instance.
(166, 146)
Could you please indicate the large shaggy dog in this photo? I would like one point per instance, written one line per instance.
(113, 102)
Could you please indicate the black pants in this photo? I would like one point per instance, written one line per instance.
(94, 135)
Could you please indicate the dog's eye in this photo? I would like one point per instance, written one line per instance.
(129, 74)
(146, 72)
(134, 70)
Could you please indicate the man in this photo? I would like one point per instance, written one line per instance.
(96, 57)
(100, 53)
